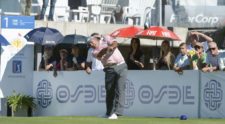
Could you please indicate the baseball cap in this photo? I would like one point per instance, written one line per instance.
(96, 35)
(108, 38)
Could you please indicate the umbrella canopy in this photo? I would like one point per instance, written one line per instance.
(44, 36)
(127, 32)
(74, 39)
(157, 33)
(3, 41)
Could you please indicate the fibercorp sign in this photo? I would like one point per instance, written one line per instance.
(194, 16)
(199, 19)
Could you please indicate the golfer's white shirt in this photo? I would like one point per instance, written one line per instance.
(96, 64)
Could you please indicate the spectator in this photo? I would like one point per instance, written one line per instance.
(198, 60)
(166, 59)
(214, 59)
(48, 62)
(222, 61)
(63, 62)
(182, 61)
(77, 58)
(195, 36)
(92, 63)
(26, 7)
(135, 60)
(44, 7)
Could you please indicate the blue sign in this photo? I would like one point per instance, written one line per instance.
(17, 66)
(17, 22)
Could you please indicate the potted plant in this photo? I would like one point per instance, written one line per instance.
(20, 102)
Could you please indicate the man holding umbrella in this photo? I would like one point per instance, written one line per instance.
(115, 70)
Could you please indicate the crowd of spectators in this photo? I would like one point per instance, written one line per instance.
(193, 55)
(61, 59)
(203, 56)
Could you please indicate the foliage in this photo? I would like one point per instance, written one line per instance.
(18, 101)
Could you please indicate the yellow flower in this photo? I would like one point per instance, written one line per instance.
(17, 43)
(191, 52)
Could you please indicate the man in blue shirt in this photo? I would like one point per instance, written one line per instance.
(182, 61)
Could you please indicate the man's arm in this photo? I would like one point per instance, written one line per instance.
(207, 38)
(113, 45)
(176, 68)
(110, 48)
(208, 68)
(86, 66)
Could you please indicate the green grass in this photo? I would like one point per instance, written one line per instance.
(98, 120)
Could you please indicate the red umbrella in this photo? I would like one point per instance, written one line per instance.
(127, 32)
(157, 33)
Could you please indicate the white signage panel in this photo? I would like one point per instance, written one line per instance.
(212, 95)
(16, 58)
(148, 93)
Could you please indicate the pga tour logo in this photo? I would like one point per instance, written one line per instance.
(17, 66)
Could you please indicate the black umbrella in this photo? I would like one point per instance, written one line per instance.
(75, 39)
(44, 36)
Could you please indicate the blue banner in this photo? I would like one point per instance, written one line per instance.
(17, 22)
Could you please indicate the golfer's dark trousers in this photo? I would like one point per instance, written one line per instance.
(115, 81)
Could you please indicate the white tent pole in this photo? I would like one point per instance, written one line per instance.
(74, 38)
(0, 21)
(160, 12)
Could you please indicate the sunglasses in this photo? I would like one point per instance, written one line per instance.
(212, 49)
(197, 47)
(99, 38)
